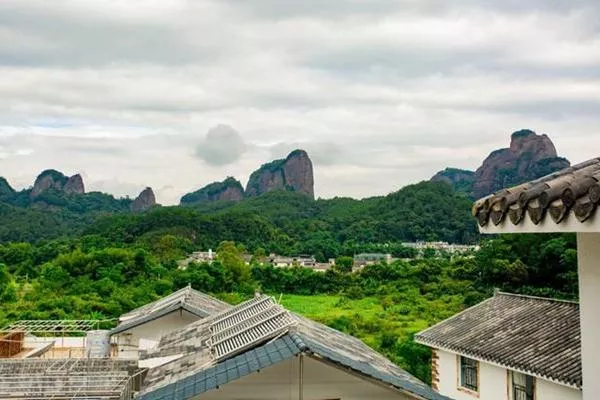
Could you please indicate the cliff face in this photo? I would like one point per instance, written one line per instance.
(145, 201)
(52, 179)
(530, 156)
(462, 180)
(74, 185)
(229, 190)
(294, 173)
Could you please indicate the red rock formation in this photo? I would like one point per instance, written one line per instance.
(74, 185)
(145, 201)
(529, 156)
(294, 173)
(52, 179)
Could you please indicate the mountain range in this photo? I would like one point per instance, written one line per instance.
(281, 194)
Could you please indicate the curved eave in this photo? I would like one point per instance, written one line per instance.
(547, 225)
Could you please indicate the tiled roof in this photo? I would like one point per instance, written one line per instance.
(528, 334)
(193, 301)
(575, 190)
(201, 368)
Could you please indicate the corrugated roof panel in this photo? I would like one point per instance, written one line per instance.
(534, 335)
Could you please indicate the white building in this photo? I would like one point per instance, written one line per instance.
(509, 347)
(565, 201)
(259, 351)
(141, 328)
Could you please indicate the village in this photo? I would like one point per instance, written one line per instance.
(359, 261)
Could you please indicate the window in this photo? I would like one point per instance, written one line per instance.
(469, 374)
(522, 386)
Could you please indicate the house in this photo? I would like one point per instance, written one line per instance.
(259, 351)
(143, 327)
(286, 262)
(509, 347)
(198, 257)
(364, 259)
(566, 201)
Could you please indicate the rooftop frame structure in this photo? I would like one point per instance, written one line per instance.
(52, 326)
(65, 379)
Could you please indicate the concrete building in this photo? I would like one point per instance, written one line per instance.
(142, 328)
(566, 201)
(509, 347)
(260, 351)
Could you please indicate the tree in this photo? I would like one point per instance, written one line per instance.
(344, 264)
(238, 275)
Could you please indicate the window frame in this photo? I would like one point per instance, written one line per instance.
(460, 381)
(511, 386)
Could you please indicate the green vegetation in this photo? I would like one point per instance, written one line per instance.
(84, 256)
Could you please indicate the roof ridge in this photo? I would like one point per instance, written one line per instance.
(548, 299)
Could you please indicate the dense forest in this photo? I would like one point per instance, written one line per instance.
(283, 222)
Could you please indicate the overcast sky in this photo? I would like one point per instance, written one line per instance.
(175, 94)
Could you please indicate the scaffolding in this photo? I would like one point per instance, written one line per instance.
(98, 379)
(52, 326)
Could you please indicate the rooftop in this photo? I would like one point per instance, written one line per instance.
(555, 199)
(533, 335)
(193, 301)
(255, 335)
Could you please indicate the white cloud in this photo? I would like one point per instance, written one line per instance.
(382, 93)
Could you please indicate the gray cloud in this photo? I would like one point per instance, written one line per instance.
(381, 93)
(222, 145)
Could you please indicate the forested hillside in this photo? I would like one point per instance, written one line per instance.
(279, 221)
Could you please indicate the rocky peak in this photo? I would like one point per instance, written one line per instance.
(294, 173)
(53, 179)
(529, 157)
(145, 201)
(74, 185)
(527, 141)
(228, 190)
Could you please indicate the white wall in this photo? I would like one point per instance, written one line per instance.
(546, 390)
(492, 380)
(588, 251)
(151, 330)
(493, 383)
(321, 382)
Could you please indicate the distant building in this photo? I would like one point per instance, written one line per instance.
(508, 347)
(294, 261)
(442, 246)
(364, 259)
(198, 257)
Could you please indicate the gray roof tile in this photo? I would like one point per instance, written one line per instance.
(530, 334)
(575, 190)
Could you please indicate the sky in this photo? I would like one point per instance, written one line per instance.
(175, 94)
